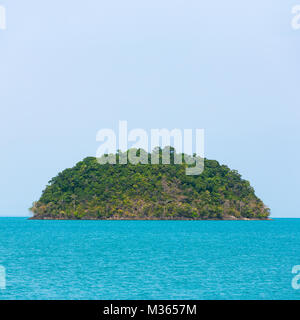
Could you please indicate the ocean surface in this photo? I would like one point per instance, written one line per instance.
(149, 259)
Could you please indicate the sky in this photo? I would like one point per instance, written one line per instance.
(70, 68)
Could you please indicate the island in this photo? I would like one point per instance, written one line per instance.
(94, 191)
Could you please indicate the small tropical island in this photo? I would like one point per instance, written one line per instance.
(94, 191)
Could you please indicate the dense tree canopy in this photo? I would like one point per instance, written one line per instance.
(145, 191)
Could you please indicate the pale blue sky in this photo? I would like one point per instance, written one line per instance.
(70, 68)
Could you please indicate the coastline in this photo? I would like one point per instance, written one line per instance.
(149, 219)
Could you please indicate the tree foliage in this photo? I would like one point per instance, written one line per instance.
(91, 190)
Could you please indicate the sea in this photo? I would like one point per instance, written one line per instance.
(133, 260)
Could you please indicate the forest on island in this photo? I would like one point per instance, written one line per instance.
(91, 190)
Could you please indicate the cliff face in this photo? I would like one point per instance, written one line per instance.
(93, 191)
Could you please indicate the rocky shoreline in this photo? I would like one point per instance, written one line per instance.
(232, 218)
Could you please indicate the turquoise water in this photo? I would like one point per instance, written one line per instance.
(149, 259)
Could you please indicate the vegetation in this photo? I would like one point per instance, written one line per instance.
(145, 191)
